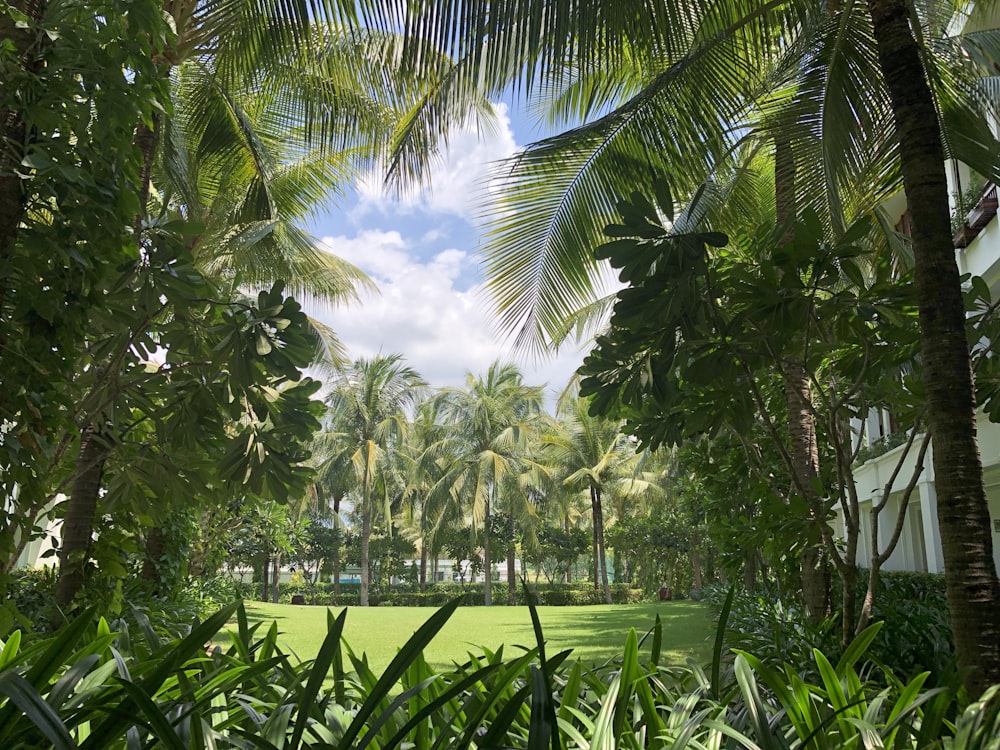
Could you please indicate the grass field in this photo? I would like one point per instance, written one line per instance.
(595, 633)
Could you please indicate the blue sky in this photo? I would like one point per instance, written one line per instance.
(421, 251)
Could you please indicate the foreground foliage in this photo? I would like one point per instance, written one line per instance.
(112, 685)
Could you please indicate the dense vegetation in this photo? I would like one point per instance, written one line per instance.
(731, 165)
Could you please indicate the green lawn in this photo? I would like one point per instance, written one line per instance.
(595, 633)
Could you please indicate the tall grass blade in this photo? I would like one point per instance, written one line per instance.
(320, 667)
(543, 724)
(174, 657)
(159, 726)
(657, 646)
(501, 723)
(410, 650)
(53, 655)
(432, 707)
(858, 647)
(23, 695)
(9, 654)
(720, 638)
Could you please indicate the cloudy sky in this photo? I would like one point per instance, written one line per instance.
(421, 251)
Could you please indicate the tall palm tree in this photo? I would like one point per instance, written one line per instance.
(663, 88)
(426, 456)
(492, 419)
(593, 454)
(368, 409)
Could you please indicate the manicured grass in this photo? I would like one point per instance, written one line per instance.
(595, 633)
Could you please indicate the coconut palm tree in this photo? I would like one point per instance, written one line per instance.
(491, 422)
(663, 90)
(593, 455)
(368, 411)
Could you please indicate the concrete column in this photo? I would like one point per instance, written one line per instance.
(932, 535)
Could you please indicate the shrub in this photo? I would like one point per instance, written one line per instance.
(96, 684)
(913, 607)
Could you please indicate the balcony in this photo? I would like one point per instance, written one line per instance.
(976, 220)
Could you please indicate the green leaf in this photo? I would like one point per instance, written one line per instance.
(23, 695)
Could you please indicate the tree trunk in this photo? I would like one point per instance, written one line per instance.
(598, 511)
(336, 547)
(511, 557)
(276, 578)
(569, 568)
(366, 533)
(750, 571)
(81, 508)
(963, 514)
(488, 558)
(265, 579)
(798, 401)
(423, 568)
(156, 547)
(696, 569)
(595, 556)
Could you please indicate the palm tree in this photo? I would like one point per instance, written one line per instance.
(594, 455)
(426, 456)
(492, 420)
(662, 89)
(368, 408)
(970, 574)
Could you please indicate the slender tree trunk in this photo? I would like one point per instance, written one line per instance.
(488, 558)
(595, 555)
(81, 508)
(276, 578)
(265, 579)
(750, 571)
(598, 511)
(366, 533)
(156, 547)
(423, 568)
(963, 514)
(569, 568)
(511, 559)
(336, 547)
(696, 569)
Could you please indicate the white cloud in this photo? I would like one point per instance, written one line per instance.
(456, 180)
(442, 331)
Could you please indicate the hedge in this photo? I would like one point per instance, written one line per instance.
(555, 595)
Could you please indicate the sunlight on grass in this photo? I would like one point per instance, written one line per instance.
(595, 633)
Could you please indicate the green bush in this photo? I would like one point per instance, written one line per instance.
(558, 595)
(916, 637)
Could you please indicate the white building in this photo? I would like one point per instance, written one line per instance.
(919, 546)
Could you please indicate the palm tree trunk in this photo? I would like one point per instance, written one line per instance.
(423, 568)
(595, 555)
(81, 508)
(511, 555)
(488, 558)
(366, 533)
(963, 514)
(265, 578)
(598, 511)
(569, 568)
(336, 547)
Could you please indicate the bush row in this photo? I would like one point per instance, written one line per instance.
(557, 595)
